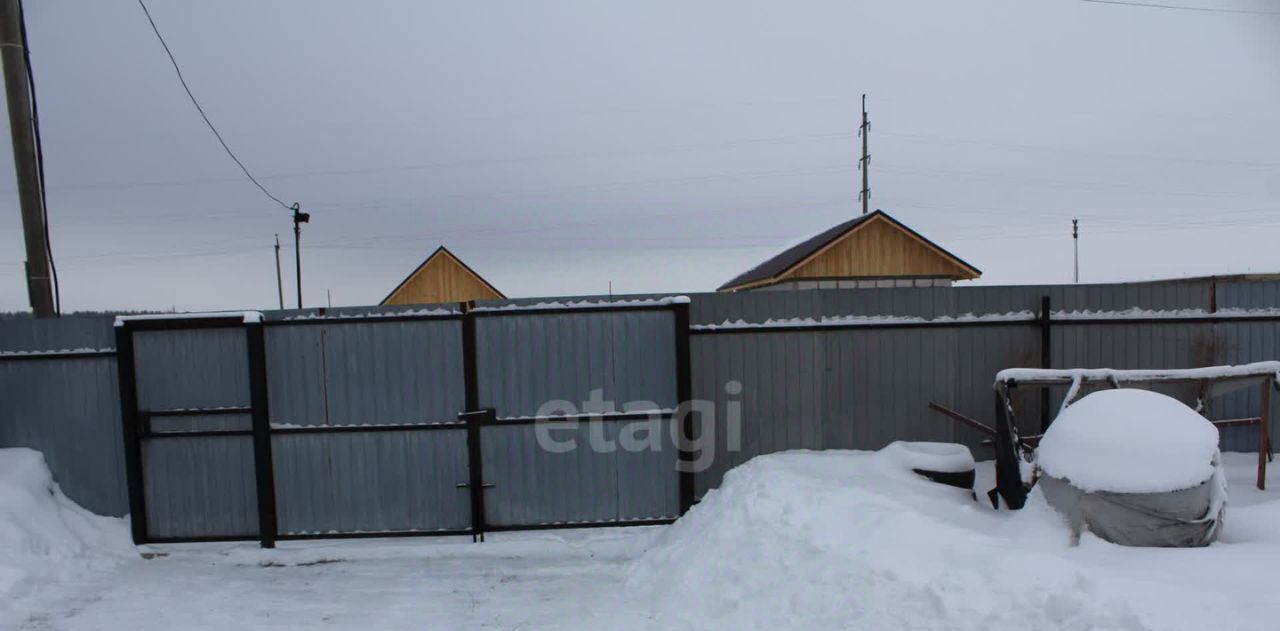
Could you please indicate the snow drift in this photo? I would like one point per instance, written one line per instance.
(802, 540)
(46, 538)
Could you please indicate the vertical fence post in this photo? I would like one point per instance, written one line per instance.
(263, 466)
(1264, 432)
(684, 407)
(470, 365)
(475, 418)
(126, 377)
(1046, 360)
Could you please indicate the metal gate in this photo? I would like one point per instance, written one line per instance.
(191, 415)
(561, 390)
(417, 423)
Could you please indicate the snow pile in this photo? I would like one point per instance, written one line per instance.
(854, 540)
(1129, 441)
(46, 538)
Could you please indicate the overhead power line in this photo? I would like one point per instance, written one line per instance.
(1183, 7)
(453, 164)
(200, 109)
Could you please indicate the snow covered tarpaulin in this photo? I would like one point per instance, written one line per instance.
(1135, 467)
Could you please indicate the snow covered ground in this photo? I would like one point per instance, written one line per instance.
(795, 540)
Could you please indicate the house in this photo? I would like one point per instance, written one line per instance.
(872, 250)
(443, 277)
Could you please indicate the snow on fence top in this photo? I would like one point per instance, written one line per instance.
(846, 321)
(591, 304)
(371, 315)
(1141, 375)
(1012, 316)
(83, 350)
(1129, 441)
(246, 316)
(1136, 313)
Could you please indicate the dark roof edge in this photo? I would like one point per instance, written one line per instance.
(746, 278)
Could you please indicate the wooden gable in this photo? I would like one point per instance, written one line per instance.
(871, 246)
(880, 248)
(443, 277)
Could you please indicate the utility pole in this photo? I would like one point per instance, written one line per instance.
(279, 277)
(299, 218)
(13, 56)
(1075, 240)
(865, 162)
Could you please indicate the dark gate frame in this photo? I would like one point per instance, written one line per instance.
(136, 423)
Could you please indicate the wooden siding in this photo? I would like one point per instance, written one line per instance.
(879, 249)
(442, 278)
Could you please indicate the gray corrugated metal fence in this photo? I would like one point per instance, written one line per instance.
(860, 388)
(66, 407)
(400, 374)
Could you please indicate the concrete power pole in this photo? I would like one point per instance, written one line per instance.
(299, 218)
(279, 278)
(17, 90)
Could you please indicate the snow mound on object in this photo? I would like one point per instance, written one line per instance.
(803, 540)
(1129, 441)
(44, 537)
(941, 457)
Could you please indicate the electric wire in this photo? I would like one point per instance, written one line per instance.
(200, 109)
(1183, 7)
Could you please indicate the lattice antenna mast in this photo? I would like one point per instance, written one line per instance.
(865, 163)
(1075, 240)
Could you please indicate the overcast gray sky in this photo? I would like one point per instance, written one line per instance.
(663, 146)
